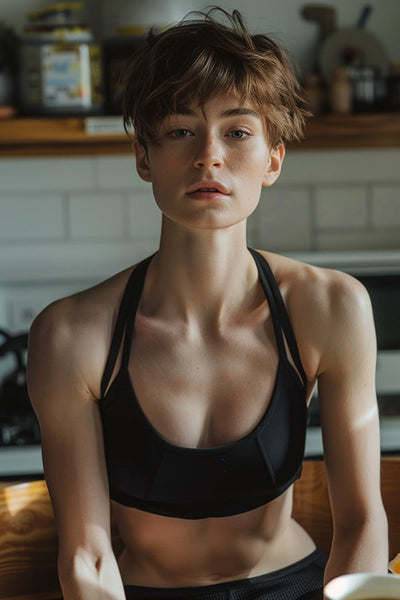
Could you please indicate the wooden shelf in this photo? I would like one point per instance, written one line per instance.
(66, 136)
(56, 136)
(379, 130)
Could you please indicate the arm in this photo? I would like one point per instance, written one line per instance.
(61, 362)
(350, 428)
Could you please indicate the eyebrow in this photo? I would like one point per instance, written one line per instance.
(230, 112)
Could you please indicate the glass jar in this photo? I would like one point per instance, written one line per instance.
(368, 88)
(60, 64)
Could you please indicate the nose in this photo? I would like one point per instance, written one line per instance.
(209, 152)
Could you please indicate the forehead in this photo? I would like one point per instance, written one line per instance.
(221, 106)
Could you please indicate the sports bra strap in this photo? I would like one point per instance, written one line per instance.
(127, 312)
(277, 305)
(271, 302)
(134, 299)
(130, 301)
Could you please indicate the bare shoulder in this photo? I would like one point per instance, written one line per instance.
(322, 289)
(70, 338)
(327, 308)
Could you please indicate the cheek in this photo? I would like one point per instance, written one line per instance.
(166, 185)
(161, 176)
(251, 173)
(255, 161)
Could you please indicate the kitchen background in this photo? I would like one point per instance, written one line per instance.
(67, 222)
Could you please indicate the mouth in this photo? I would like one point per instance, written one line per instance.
(207, 189)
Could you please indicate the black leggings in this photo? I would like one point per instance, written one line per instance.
(303, 580)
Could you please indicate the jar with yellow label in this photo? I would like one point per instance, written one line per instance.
(60, 64)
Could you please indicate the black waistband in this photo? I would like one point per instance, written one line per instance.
(273, 580)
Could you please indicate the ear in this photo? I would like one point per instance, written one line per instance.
(142, 161)
(274, 165)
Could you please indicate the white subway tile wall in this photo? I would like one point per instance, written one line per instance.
(341, 207)
(36, 217)
(46, 174)
(386, 206)
(282, 219)
(384, 238)
(351, 199)
(94, 214)
(341, 166)
(118, 172)
(144, 216)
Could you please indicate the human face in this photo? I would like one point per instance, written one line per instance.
(209, 163)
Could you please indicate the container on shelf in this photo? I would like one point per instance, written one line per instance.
(60, 63)
(368, 88)
(341, 92)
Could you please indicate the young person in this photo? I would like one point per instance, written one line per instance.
(179, 386)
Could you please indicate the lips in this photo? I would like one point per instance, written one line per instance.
(207, 187)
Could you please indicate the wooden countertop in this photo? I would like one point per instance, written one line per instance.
(63, 136)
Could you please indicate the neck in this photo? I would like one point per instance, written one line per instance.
(201, 275)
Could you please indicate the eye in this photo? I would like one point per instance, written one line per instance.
(181, 133)
(239, 134)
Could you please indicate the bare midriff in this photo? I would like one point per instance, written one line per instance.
(170, 552)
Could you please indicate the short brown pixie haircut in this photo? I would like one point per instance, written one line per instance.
(201, 58)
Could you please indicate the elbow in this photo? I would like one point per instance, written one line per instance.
(369, 530)
(362, 516)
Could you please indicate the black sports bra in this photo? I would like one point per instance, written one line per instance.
(147, 472)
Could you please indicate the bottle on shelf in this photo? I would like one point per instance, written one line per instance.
(341, 92)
